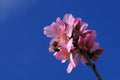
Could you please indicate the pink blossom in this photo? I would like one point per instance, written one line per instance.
(72, 41)
(94, 47)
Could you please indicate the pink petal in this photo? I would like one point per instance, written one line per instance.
(80, 41)
(94, 47)
(69, 45)
(55, 28)
(83, 27)
(61, 24)
(72, 60)
(59, 55)
(69, 31)
(83, 60)
(69, 19)
(52, 30)
(62, 54)
(90, 39)
(93, 34)
(63, 61)
(69, 68)
(48, 32)
(77, 21)
(87, 31)
(76, 59)
(63, 42)
(50, 49)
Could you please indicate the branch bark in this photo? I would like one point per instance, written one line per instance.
(91, 65)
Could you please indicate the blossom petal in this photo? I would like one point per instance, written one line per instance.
(72, 60)
(52, 30)
(69, 68)
(90, 39)
(83, 27)
(62, 54)
(69, 31)
(93, 34)
(59, 55)
(76, 59)
(61, 24)
(48, 32)
(80, 42)
(83, 60)
(87, 32)
(69, 19)
(69, 45)
(77, 21)
(95, 47)
(63, 61)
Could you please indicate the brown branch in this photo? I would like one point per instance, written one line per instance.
(91, 65)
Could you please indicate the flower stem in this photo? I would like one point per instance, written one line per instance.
(91, 65)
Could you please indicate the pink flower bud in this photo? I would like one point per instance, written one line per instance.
(95, 58)
(80, 42)
(90, 39)
(99, 51)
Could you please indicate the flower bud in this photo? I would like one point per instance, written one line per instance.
(94, 58)
(80, 42)
(99, 51)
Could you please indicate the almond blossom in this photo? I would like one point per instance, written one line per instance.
(71, 41)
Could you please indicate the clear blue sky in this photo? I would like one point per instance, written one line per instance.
(24, 51)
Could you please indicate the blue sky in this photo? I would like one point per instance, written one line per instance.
(24, 51)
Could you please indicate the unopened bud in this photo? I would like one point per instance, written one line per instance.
(95, 58)
(80, 42)
(99, 51)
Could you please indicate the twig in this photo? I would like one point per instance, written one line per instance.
(91, 65)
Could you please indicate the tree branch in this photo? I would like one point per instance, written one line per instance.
(91, 65)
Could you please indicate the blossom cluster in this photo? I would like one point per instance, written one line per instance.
(71, 39)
